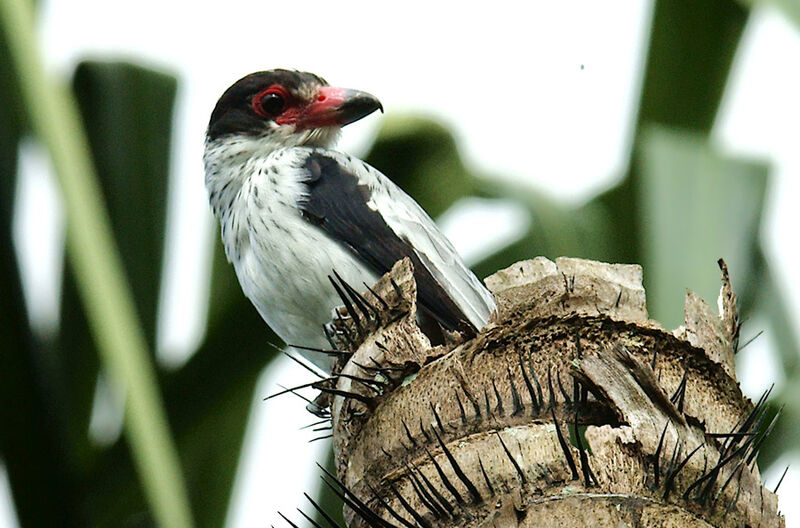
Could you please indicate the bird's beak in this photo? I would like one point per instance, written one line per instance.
(337, 107)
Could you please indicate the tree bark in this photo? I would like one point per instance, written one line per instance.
(571, 408)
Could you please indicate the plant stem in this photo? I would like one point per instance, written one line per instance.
(93, 255)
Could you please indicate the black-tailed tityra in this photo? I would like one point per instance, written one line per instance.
(292, 210)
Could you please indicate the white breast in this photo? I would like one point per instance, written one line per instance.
(282, 261)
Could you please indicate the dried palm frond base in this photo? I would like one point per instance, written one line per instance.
(571, 408)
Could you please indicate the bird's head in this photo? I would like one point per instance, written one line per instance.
(283, 108)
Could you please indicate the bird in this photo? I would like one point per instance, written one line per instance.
(293, 211)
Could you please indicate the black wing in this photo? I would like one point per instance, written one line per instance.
(338, 202)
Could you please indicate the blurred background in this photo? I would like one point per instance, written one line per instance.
(662, 133)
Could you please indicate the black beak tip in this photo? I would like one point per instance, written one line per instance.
(368, 104)
(359, 106)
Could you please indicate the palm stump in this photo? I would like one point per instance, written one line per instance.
(570, 409)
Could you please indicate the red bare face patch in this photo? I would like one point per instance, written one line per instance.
(329, 107)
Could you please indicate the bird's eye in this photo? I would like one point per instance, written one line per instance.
(271, 104)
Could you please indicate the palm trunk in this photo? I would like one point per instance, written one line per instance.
(571, 409)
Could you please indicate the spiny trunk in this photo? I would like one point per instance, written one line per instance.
(571, 408)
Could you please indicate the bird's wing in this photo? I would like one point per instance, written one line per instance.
(364, 210)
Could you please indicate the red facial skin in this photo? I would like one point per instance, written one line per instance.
(326, 109)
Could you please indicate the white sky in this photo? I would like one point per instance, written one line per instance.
(544, 96)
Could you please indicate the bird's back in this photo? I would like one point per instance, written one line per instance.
(364, 210)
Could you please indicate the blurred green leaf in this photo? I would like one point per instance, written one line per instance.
(53, 117)
(689, 56)
(420, 156)
(125, 144)
(225, 293)
(556, 230)
(696, 206)
(771, 304)
(791, 8)
(42, 487)
(208, 401)
(692, 45)
(127, 113)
